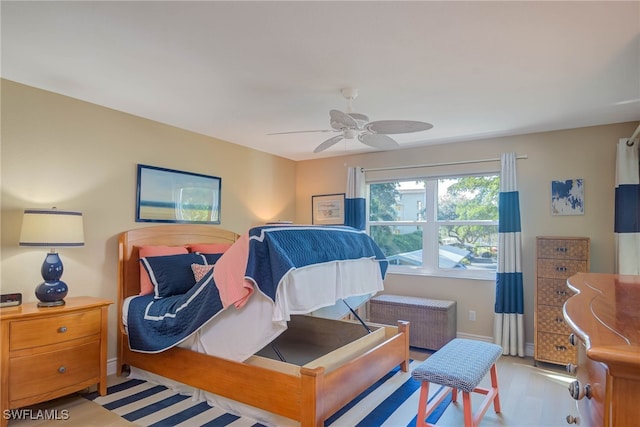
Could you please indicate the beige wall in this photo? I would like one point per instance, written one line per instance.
(75, 155)
(587, 153)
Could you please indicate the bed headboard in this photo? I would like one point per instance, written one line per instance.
(161, 235)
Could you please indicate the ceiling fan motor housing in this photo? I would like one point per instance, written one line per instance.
(349, 133)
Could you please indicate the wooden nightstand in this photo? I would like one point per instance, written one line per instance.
(53, 351)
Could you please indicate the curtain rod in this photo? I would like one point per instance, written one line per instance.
(630, 140)
(462, 162)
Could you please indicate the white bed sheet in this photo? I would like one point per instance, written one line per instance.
(321, 285)
(234, 334)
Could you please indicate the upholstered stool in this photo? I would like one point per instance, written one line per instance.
(460, 365)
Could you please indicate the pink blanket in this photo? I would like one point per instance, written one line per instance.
(229, 273)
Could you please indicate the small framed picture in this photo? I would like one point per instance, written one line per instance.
(327, 209)
(567, 197)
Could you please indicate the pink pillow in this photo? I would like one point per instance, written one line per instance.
(209, 248)
(200, 270)
(146, 287)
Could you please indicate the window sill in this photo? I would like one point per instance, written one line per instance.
(416, 271)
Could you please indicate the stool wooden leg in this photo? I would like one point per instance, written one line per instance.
(466, 404)
(422, 405)
(494, 384)
(454, 395)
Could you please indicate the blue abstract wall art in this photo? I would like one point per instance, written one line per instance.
(567, 197)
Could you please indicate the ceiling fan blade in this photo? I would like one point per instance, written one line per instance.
(340, 120)
(378, 140)
(328, 143)
(303, 131)
(391, 127)
(359, 117)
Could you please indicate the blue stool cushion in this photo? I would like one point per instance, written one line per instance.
(460, 364)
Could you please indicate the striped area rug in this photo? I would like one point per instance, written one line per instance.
(390, 402)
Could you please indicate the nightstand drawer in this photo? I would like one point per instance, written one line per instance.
(55, 329)
(48, 372)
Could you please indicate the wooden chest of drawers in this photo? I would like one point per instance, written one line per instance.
(558, 258)
(53, 351)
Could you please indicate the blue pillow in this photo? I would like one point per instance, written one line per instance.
(171, 274)
(211, 258)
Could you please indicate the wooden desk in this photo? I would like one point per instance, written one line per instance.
(605, 318)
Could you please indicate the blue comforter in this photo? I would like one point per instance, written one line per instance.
(276, 250)
(155, 325)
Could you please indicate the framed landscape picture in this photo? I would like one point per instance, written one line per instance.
(167, 195)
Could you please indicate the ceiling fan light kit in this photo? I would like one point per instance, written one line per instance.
(374, 134)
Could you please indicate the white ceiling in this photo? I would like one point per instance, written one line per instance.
(241, 70)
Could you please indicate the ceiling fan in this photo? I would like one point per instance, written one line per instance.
(374, 134)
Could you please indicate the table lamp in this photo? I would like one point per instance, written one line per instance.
(51, 228)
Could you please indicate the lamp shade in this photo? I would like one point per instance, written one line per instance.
(52, 228)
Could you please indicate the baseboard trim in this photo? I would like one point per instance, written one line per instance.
(474, 337)
(112, 366)
(528, 347)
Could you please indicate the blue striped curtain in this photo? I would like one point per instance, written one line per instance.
(627, 202)
(354, 203)
(508, 329)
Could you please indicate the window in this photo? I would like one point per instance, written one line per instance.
(446, 226)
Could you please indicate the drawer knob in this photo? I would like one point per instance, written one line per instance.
(572, 339)
(572, 420)
(559, 319)
(578, 392)
(561, 348)
(561, 268)
(561, 292)
(62, 369)
(62, 329)
(571, 368)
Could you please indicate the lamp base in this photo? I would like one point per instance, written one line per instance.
(51, 304)
(51, 294)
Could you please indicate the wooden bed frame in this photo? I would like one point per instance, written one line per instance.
(308, 394)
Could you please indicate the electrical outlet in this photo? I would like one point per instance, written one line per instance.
(472, 315)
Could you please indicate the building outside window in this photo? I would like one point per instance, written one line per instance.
(446, 226)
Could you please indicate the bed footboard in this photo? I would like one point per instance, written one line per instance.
(335, 389)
